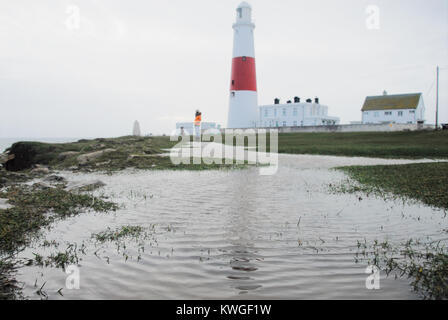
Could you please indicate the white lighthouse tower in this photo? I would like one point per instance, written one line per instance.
(243, 106)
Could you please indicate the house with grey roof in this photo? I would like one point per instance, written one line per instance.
(397, 108)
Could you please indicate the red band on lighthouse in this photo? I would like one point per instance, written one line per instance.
(243, 74)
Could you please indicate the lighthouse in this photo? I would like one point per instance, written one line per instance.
(243, 105)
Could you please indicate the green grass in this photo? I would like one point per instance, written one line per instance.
(71, 256)
(33, 209)
(424, 263)
(404, 144)
(413, 145)
(74, 253)
(8, 284)
(119, 233)
(122, 235)
(425, 182)
(30, 210)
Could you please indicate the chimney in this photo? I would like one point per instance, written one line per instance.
(316, 100)
(296, 100)
(289, 101)
(309, 101)
(276, 101)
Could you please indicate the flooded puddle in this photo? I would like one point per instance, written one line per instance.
(233, 235)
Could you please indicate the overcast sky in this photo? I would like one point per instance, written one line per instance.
(158, 61)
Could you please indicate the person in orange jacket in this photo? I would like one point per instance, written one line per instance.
(197, 123)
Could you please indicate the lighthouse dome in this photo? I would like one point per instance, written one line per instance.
(244, 4)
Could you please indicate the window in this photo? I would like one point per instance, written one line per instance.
(240, 12)
(376, 114)
(232, 94)
(284, 123)
(400, 113)
(265, 112)
(276, 123)
(284, 112)
(366, 113)
(244, 58)
(411, 111)
(388, 113)
(233, 82)
(294, 112)
(295, 123)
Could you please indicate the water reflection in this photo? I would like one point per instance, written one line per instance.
(243, 255)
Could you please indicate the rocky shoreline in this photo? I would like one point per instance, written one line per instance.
(25, 160)
(96, 154)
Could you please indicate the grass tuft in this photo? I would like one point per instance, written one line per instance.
(425, 182)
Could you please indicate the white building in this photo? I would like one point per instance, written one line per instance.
(293, 114)
(188, 127)
(398, 108)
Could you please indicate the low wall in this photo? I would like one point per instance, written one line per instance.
(356, 128)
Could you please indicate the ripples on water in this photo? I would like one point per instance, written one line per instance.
(234, 235)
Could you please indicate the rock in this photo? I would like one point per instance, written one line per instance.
(89, 157)
(4, 204)
(3, 158)
(22, 155)
(10, 178)
(40, 170)
(85, 186)
(68, 154)
(42, 185)
(102, 163)
(149, 151)
(55, 179)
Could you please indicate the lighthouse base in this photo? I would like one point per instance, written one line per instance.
(243, 110)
